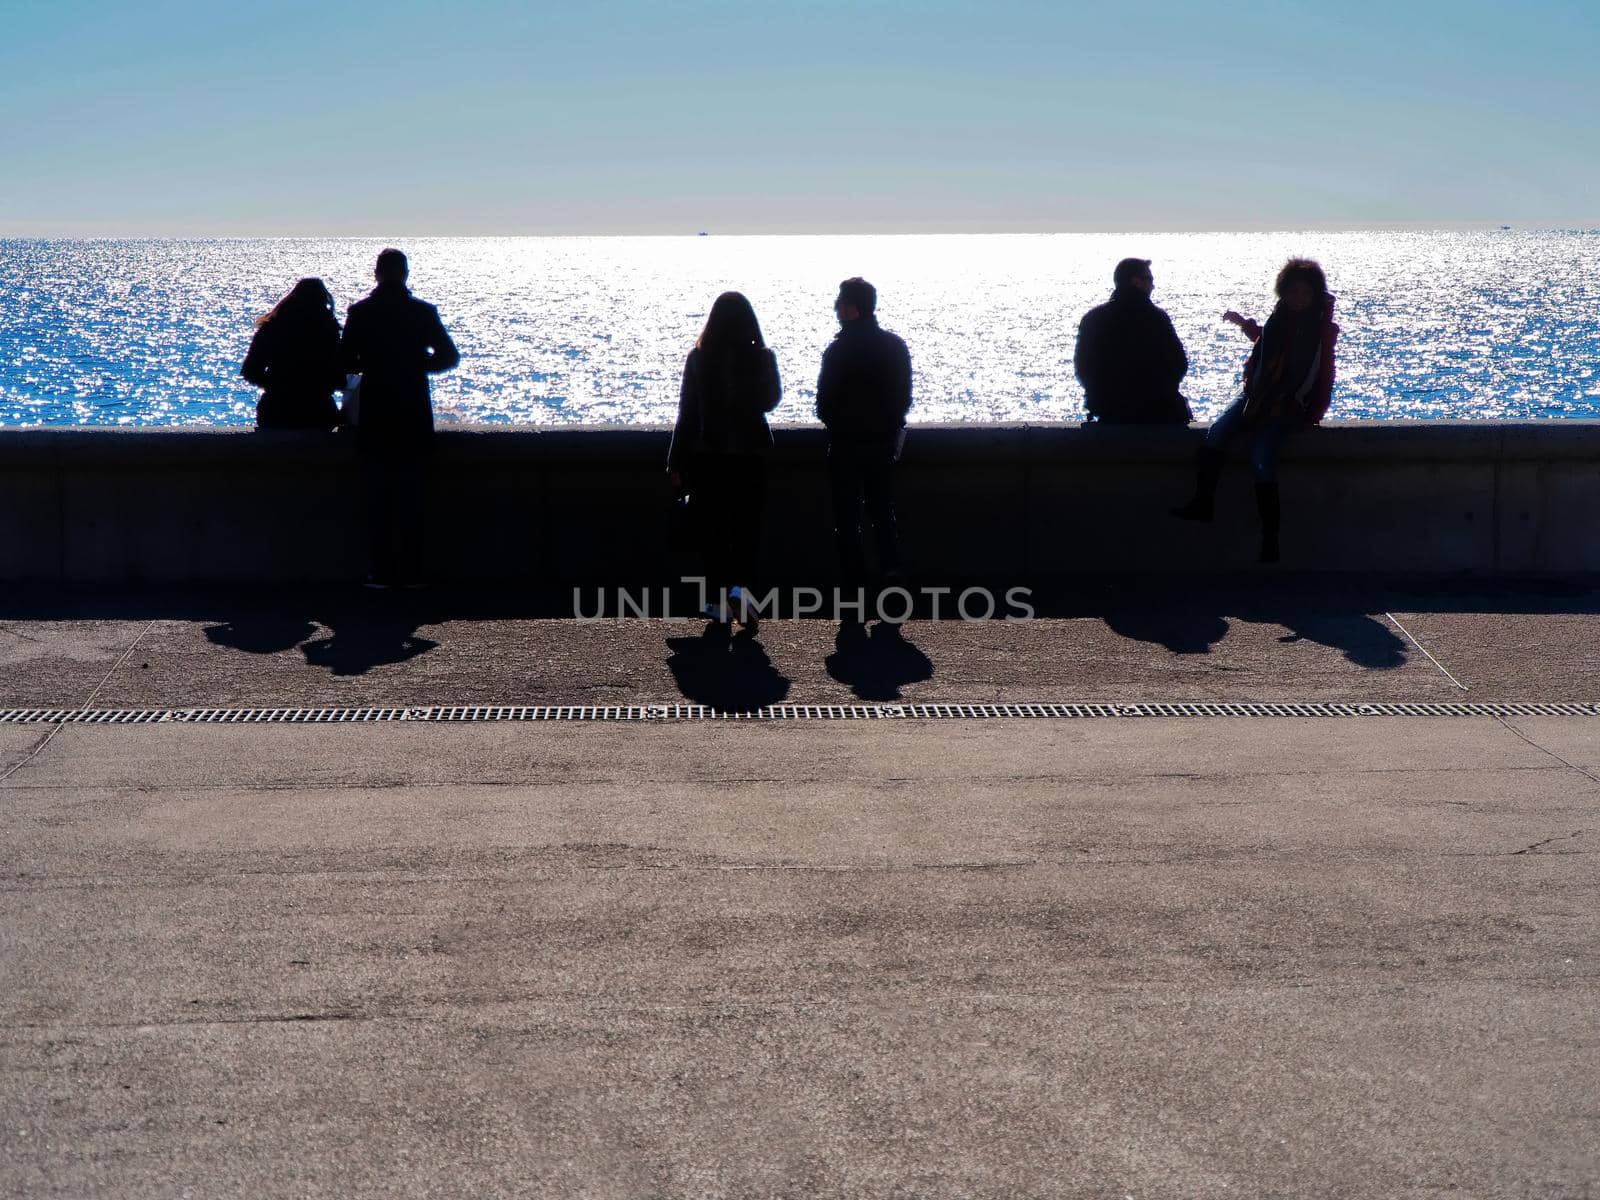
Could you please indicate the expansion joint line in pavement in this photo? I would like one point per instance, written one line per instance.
(1410, 638)
(38, 747)
(1584, 771)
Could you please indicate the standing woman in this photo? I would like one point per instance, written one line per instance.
(719, 449)
(294, 359)
(1288, 385)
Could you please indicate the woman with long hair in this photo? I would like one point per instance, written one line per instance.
(719, 449)
(1288, 385)
(294, 360)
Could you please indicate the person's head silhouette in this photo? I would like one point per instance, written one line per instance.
(1134, 273)
(392, 269)
(857, 299)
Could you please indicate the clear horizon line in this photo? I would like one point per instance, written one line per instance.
(1395, 227)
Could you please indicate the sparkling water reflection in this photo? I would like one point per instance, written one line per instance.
(1478, 325)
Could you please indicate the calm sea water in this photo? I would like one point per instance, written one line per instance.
(1477, 325)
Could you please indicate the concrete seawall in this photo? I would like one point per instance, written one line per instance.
(1002, 503)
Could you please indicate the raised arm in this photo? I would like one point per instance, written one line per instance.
(1249, 327)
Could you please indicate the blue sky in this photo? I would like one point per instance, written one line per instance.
(629, 116)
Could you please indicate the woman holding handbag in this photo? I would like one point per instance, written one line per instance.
(719, 450)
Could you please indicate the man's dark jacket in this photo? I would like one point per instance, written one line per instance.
(394, 342)
(1130, 362)
(864, 391)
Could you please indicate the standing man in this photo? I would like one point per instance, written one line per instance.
(863, 395)
(1129, 358)
(394, 342)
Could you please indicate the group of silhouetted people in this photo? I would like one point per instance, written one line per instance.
(1129, 359)
(391, 343)
(721, 440)
(1131, 364)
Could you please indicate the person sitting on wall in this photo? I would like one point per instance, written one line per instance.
(863, 396)
(1129, 358)
(1288, 385)
(394, 342)
(294, 360)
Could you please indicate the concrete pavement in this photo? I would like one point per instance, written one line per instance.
(1003, 958)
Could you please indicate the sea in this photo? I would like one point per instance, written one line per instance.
(1484, 325)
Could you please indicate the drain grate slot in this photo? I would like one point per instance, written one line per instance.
(1064, 710)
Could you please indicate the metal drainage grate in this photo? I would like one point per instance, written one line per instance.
(776, 712)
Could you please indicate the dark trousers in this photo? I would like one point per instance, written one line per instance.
(863, 476)
(729, 493)
(396, 484)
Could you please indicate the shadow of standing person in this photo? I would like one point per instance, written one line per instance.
(356, 645)
(729, 674)
(876, 665)
(260, 634)
(1178, 631)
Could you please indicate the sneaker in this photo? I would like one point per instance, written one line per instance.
(377, 585)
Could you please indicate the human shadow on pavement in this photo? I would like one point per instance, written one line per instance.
(876, 665)
(1179, 632)
(356, 640)
(355, 646)
(258, 634)
(1363, 639)
(730, 674)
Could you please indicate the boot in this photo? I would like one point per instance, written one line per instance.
(1208, 470)
(1270, 510)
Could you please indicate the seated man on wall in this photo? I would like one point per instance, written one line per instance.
(1129, 358)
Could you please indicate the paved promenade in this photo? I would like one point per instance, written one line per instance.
(1113, 957)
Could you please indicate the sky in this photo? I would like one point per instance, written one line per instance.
(421, 117)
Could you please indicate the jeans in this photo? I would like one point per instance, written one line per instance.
(858, 474)
(1266, 438)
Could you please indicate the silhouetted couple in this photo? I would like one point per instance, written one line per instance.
(392, 341)
(721, 440)
(1131, 362)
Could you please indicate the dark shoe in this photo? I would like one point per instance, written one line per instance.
(376, 584)
(1207, 473)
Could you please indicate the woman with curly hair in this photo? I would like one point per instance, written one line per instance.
(1288, 385)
